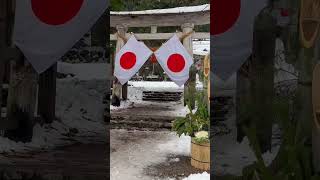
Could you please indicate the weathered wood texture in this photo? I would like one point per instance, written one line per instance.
(147, 20)
(3, 27)
(190, 86)
(161, 36)
(117, 87)
(47, 94)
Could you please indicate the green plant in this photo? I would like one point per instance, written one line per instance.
(196, 120)
(293, 161)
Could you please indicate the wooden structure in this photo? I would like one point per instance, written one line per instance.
(186, 18)
(200, 155)
(31, 96)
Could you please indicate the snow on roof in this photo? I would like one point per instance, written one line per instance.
(177, 10)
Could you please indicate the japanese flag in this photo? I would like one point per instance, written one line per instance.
(175, 60)
(45, 30)
(130, 59)
(232, 33)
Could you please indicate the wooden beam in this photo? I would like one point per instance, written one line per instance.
(47, 94)
(160, 20)
(161, 36)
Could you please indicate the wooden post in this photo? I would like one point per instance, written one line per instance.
(47, 94)
(3, 44)
(22, 98)
(190, 86)
(117, 88)
(262, 78)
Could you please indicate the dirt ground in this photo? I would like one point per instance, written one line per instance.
(78, 161)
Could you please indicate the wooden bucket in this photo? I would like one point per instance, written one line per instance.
(200, 155)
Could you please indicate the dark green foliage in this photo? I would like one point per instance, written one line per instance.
(194, 121)
(293, 161)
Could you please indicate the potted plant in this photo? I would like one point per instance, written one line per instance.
(196, 124)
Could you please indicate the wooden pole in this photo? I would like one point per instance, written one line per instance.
(117, 88)
(262, 77)
(190, 86)
(47, 94)
(3, 44)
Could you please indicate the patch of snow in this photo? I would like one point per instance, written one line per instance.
(186, 9)
(86, 71)
(156, 85)
(203, 176)
(201, 48)
(79, 106)
(132, 151)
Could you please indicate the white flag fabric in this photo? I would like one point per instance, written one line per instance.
(232, 45)
(45, 30)
(130, 59)
(175, 60)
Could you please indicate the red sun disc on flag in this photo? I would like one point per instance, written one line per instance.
(56, 12)
(128, 60)
(176, 63)
(225, 14)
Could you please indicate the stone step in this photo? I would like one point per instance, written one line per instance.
(120, 121)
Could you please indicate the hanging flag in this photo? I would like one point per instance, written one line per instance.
(232, 33)
(130, 59)
(45, 30)
(175, 60)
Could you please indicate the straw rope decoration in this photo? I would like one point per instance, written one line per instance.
(309, 22)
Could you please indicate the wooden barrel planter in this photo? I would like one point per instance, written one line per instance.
(200, 155)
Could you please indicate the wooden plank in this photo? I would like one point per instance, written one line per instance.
(47, 94)
(161, 36)
(160, 20)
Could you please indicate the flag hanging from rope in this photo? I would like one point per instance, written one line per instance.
(232, 33)
(45, 30)
(175, 60)
(130, 59)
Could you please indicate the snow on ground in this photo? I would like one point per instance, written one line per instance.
(203, 176)
(231, 157)
(136, 88)
(86, 71)
(132, 151)
(79, 112)
(201, 47)
(187, 9)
